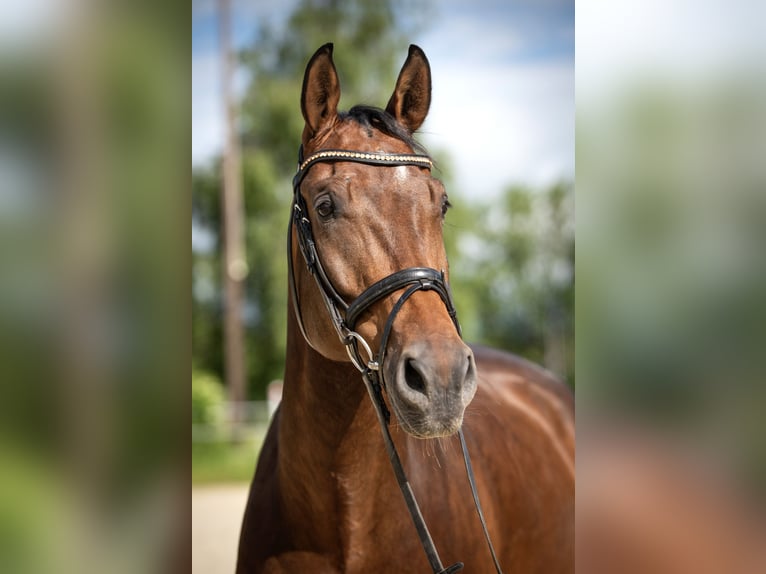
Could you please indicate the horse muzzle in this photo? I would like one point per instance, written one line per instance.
(430, 384)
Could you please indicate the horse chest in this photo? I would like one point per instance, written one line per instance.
(374, 526)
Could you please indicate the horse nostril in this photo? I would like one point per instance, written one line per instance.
(413, 378)
(470, 371)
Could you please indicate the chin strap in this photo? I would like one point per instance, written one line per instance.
(344, 317)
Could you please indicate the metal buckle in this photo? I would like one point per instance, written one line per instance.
(353, 353)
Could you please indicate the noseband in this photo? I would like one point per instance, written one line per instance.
(345, 315)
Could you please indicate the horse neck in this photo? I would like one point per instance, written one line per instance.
(329, 441)
(319, 394)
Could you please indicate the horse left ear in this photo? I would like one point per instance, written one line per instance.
(320, 94)
(412, 96)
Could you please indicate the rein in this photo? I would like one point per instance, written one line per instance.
(344, 317)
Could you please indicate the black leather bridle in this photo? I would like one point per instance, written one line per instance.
(345, 315)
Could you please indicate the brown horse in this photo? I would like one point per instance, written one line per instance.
(324, 498)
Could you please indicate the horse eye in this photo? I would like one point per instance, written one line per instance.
(325, 208)
(445, 205)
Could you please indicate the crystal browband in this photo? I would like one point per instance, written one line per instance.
(373, 158)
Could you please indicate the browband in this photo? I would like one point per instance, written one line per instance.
(358, 157)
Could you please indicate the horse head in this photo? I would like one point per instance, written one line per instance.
(369, 220)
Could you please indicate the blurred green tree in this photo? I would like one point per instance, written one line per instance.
(513, 278)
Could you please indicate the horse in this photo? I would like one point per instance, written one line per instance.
(367, 270)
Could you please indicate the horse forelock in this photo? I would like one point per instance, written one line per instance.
(370, 117)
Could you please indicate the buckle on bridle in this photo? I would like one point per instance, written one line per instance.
(349, 340)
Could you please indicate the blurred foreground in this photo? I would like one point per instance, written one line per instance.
(94, 304)
(671, 314)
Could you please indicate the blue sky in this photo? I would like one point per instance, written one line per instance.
(503, 86)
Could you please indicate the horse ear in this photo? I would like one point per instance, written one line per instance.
(321, 92)
(412, 96)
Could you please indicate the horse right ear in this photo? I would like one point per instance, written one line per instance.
(412, 95)
(321, 93)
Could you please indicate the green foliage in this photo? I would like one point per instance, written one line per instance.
(225, 461)
(207, 398)
(513, 273)
(30, 510)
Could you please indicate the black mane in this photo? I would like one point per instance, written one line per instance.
(371, 117)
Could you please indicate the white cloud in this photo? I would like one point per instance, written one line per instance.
(503, 124)
(457, 40)
(502, 119)
(618, 43)
(207, 108)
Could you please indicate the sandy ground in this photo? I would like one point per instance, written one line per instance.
(216, 519)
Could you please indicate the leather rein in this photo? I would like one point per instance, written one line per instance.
(345, 315)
